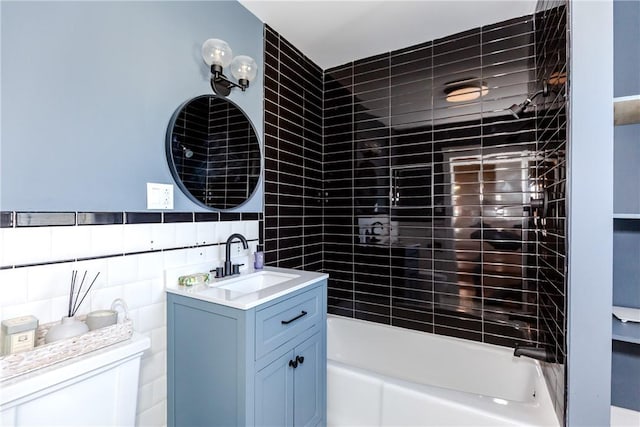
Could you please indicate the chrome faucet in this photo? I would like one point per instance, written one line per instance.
(230, 269)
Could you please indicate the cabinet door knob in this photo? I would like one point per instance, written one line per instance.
(300, 359)
(293, 363)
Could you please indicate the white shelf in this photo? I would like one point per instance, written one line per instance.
(626, 216)
(622, 417)
(627, 314)
(626, 98)
(628, 331)
(626, 110)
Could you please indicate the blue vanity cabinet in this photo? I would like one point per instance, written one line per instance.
(264, 366)
(290, 389)
(309, 383)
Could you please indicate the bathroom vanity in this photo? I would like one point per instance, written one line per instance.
(248, 350)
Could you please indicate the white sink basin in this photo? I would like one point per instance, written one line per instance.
(255, 282)
(251, 288)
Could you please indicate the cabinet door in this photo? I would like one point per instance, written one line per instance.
(204, 366)
(274, 393)
(309, 383)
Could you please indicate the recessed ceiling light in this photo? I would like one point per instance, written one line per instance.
(465, 90)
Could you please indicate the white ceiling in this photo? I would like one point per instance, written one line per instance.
(333, 32)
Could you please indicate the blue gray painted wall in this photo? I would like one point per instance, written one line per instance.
(591, 212)
(626, 59)
(625, 358)
(88, 89)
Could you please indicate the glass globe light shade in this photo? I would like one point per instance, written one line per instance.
(217, 52)
(244, 68)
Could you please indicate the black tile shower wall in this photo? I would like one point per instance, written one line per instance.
(426, 219)
(551, 55)
(552, 147)
(293, 156)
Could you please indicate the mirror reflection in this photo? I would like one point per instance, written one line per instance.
(213, 152)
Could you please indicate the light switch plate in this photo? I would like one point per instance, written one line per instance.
(159, 196)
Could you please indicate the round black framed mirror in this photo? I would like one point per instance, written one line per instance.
(213, 152)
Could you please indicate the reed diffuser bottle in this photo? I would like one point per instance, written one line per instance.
(67, 328)
(70, 326)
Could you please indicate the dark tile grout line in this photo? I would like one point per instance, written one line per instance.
(115, 255)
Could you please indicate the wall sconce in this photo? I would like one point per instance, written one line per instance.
(218, 55)
(517, 109)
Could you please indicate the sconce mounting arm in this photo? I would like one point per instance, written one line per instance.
(221, 85)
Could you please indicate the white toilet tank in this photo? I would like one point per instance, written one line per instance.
(96, 389)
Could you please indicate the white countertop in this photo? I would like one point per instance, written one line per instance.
(247, 300)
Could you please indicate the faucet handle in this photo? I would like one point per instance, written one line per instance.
(236, 268)
(219, 272)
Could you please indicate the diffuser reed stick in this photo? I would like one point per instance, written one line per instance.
(85, 294)
(73, 309)
(74, 305)
(73, 279)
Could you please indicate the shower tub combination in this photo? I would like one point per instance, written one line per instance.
(381, 375)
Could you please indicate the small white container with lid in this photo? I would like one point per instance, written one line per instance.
(18, 334)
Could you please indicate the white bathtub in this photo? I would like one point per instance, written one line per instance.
(382, 375)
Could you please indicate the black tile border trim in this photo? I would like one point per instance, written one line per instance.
(150, 251)
(44, 219)
(100, 218)
(25, 219)
(38, 264)
(6, 219)
(143, 217)
(229, 216)
(9, 219)
(91, 258)
(177, 217)
(206, 216)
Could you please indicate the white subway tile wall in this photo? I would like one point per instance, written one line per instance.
(38, 262)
